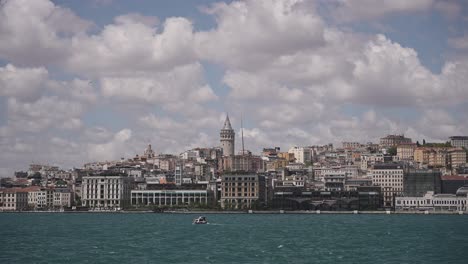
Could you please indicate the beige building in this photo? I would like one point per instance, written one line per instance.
(302, 154)
(245, 163)
(242, 191)
(457, 157)
(393, 141)
(390, 178)
(421, 155)
(406, 151)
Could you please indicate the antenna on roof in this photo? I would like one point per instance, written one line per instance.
(242, 135)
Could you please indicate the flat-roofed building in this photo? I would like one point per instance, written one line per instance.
(459, 141)
(174, 197)
(451, 183)
(13, 199)
(393, 141)
(242, 191)
(390, 178)
(106, 191)
(406, 151)
(431, 201)
(417, 182)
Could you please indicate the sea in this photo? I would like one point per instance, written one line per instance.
(232, 238)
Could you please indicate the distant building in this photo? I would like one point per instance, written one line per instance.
(390, 178)
(227, 138)
(417, 182)
(406, 151)
(302, 154)
(106, 191)
(242, 191)
(394, 140)
(351, 145)
(242, 163)
(459, 141)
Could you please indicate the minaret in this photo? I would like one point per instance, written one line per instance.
(227, 137)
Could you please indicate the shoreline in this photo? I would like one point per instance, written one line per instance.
(318, 212)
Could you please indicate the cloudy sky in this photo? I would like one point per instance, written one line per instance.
(98, 80)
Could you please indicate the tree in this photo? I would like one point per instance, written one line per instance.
(424, 142)
(417, 144)
(392, 151)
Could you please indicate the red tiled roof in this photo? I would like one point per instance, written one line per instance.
(454, 178)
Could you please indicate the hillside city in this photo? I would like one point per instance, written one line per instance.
(393, 174)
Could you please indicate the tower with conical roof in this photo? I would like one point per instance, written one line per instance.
(227, 137)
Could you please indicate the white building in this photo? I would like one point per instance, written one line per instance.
(106, 191)
(459, 141)
(62, 198)
(43, 198)
(390, 178)
(431, 201)
(14, 199)
(302, 154)
(169, 197)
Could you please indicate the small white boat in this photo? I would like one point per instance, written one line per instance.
(200, 220)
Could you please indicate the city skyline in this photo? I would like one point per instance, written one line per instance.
(99, 80)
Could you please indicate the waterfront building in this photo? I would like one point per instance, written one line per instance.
(227, 138)
(459, 141)
(106, 191)
(62, 198)
(13, 199)
(406, 151)
(41, 199)
(390, 178)
(417, 182)
(242, 191)
(431, 201)
(451, 183)
(393, 141)
(171, 198)
(295, 198)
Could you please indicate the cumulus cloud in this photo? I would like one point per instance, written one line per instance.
(36, 33)
(24, 83)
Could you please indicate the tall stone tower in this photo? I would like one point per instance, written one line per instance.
(227, 137)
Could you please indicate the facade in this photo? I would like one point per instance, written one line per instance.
(459, 141)
(14, 199)
(457, 157)
(390, 178)
(451, 183)
(62, 198)
(406, 151)
(170, 197)
(393, 141)
(242, 191)
(434, 202)
(351, 145)
(302, 154)
(106, 191)
(227, 138)
(416, 182)
(41, 199)
(421, 155)
(242, 163)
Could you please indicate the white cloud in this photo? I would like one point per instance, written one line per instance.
(35, 32)
(23, 83)
(114, 149)
(251, 33)
(350, 10)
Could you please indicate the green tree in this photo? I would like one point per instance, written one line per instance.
(392, 151)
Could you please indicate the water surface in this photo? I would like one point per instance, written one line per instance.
(235, 238)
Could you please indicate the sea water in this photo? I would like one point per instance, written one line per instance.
(232, 238)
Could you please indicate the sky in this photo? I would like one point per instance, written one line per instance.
(84, 81)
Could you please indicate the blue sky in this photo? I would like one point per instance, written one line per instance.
(97, 80)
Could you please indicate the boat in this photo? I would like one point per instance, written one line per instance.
(200, 220)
